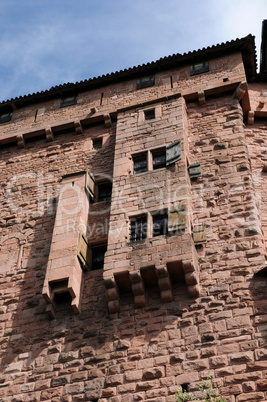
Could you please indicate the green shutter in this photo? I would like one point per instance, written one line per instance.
(173, 152)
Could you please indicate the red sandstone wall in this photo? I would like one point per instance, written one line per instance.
(137, 354)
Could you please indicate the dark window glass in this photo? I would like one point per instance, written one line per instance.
(104, 192)
(159, 158)
(160, 225)
(149, 114)
(68, 101)
(97, 143)
(5, 117)
(98, 257)
(138, 228)
(145, 82)
(140, 163)
(199, 68)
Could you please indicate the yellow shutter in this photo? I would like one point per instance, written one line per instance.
(199, 235)
(84, 253)
(91, 186)
(177, 219)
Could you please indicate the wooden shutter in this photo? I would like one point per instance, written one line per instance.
(173, 152)
(177, 219)
(199, 235)
(84, 253)
(91, 186)
(194, 170)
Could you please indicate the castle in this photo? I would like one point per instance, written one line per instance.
(133, 232)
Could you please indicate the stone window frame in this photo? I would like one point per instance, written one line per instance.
(169, 224)
(149, 111)
(148, 158)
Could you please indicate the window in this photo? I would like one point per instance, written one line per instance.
(5, 117)
(97, 143)
(145, 82)
(199, 68)
(104, 192)
(98, 256)
(159, 158)
(149, 114)
(173, 220)
(160, 224)
(138, 228)
(140, 163)
(68, 100)
(97, 191)
(166, 156)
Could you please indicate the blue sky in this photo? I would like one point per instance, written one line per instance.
(47, 43)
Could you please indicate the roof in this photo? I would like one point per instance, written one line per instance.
(246, 45)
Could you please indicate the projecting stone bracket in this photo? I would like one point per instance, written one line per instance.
(108, 121)
(250, 117)
(20, 141)
(138, 289)
(49, 134)
(191, 278)
(201, 98)
(138, 280)
(112, 294)
(78, 127)
(58, 285)
(240, 91)
(164, 283)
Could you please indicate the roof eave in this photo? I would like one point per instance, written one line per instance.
(245, 45)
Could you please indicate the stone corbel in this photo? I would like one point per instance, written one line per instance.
(78, 127)
(201, 97)
(250, 117)
(164, 284)
(20, 141)
(191, 278)
(138, 289)
(108, 122)
(112, 294)
(240, 91)
(49, 134)
(93, 110)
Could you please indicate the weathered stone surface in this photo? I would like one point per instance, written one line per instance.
(132, 346)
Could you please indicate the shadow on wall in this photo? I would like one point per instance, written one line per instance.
(42, 358)
(91, 346)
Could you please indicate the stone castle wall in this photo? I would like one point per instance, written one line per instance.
(180, 311)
